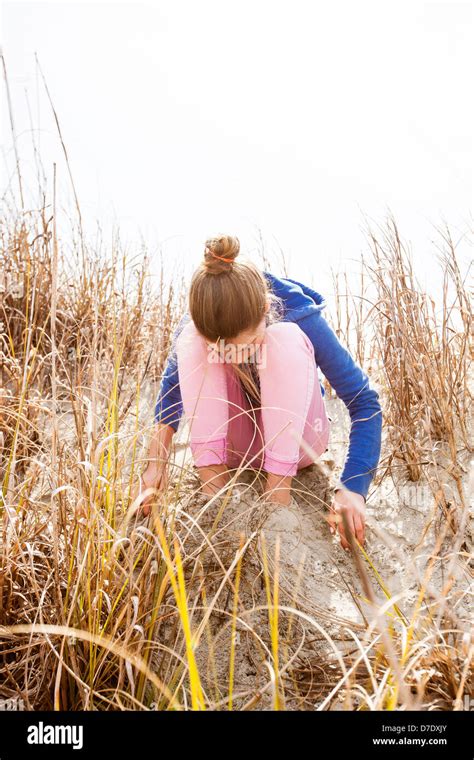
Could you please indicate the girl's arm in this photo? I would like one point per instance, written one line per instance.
(168, 411)
(154, 474)
(353, 386)
(159, 447)
(169, 405)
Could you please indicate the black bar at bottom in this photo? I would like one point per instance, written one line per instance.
(377, 734)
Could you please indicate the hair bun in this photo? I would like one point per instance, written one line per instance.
(220, 253)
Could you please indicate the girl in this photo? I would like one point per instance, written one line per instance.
(244, 370)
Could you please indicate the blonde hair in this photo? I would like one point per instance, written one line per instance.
(227, 297)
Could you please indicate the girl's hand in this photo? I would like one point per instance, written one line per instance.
(353, 505)
(152, 477)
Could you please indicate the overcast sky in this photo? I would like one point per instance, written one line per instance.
(185, 118)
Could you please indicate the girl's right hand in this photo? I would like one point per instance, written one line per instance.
(152, 477)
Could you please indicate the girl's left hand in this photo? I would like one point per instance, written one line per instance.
(353, 504)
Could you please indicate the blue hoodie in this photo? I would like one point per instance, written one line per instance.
(304, 306)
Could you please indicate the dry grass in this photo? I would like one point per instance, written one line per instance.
(423, 350)
(100, 609)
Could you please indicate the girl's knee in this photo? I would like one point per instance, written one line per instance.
(282, 328)
(189, 338)
(288, 336)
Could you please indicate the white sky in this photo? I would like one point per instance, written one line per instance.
(186, 118)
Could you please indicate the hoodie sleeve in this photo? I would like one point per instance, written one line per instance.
(169, 405)
(353, 386)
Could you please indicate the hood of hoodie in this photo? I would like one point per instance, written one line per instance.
(299, 300)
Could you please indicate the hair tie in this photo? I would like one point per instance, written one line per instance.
(228, 261)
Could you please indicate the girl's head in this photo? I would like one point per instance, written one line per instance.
(229, 299)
